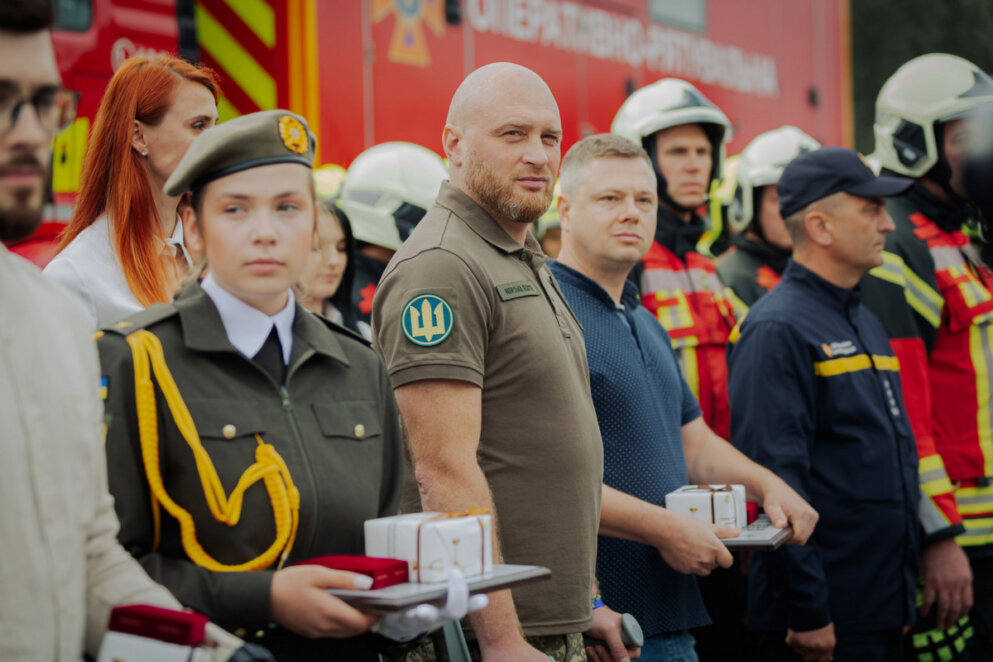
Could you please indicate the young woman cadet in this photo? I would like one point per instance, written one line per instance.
(243, 433)
(124, 249)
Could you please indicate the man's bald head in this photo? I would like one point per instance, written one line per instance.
(503, 141)
(489, 84)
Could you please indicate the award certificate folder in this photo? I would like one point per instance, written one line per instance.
(409, 594)
(760, 535)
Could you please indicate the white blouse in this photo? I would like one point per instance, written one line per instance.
(89, 269)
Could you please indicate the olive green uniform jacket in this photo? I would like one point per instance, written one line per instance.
(334, 423)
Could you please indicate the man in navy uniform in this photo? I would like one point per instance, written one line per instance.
(815, 396)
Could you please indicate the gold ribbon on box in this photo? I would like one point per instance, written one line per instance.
(470, 512)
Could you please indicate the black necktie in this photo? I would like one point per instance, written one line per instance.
(270, 357)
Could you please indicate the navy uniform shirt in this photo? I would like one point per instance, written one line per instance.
(815, 397)
(642, 402)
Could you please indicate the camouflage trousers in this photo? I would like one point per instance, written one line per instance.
(562, 647)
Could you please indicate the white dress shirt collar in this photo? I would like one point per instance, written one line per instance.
(247, 328)
(176, 245)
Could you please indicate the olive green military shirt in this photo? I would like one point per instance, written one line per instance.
(334, 423)
(462, 300)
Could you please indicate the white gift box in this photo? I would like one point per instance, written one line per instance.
(716, 504)
(431, 543)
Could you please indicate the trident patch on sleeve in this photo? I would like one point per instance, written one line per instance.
(427, 320)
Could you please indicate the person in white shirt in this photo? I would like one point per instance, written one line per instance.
(123, 249)
(63, 569)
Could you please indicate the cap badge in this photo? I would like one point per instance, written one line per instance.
(293, 134)
(427, 320)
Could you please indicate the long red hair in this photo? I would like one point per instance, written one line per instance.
(114, 180)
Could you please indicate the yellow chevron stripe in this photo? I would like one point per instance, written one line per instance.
(258, 16)
(225, 111)
(235, 60)
(981, 349)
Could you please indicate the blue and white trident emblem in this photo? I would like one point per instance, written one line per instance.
(427, 320)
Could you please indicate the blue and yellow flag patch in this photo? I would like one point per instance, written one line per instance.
(103, 388)
(427, 320)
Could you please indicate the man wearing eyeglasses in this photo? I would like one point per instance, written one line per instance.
(29, 81)
(63, 569)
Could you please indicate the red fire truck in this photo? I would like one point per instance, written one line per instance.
(369, 71)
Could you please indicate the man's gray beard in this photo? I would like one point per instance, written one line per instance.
(500, 198)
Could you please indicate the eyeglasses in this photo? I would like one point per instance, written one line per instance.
(55, 107)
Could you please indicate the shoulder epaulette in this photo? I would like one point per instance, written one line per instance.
(334, 326)
(142, 319)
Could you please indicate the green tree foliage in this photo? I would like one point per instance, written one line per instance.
(887, 33)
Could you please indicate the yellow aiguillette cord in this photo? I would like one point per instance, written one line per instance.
(269, 467)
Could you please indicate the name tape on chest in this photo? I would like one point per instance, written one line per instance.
(517, 289)
(427, 320)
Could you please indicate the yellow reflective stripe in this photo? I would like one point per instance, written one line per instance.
(890, 363)
(891, 270)
(738, 307)
(923, 298)
(973, 500)
(833, 367)
(258, 16)
(933, 477)
(735, 333)
(978, 531)
(981, 349)
(688, 362)
(225, 111)
(235, 60)
(855, 363)
(936, 486)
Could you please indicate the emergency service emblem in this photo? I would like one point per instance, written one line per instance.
(293, 134)
(427, 320)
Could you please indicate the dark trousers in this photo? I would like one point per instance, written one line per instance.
(884, 646)
(725, 595)
(981, 645)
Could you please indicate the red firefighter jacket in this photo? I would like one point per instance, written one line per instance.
(682, 289)
(934, 294)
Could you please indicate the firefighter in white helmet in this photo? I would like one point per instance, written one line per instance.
(388, 189)
(934, 294)
(762, 244)
(684, 134)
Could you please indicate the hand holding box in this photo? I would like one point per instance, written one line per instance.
(715, 504)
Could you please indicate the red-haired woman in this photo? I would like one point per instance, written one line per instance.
(124, 248)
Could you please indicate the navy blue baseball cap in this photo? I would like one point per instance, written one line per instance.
(829, 170)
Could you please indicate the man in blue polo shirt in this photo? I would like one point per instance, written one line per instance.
(655, 439)
(815, 397)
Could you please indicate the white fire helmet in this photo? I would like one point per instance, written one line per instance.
(761, 164)
(926, 91)
(388, 189)
(667, 103)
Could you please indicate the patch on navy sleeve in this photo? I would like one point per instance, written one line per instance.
(427, 320)
(103, 388)
(520, 288)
